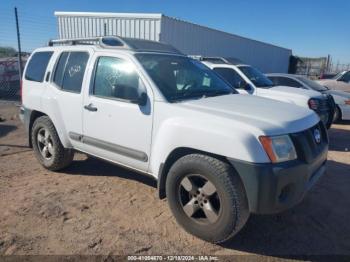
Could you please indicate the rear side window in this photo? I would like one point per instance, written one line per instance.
(70, 71)
(36, 67)
(285, 81)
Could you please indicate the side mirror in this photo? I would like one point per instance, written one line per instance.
(142, 99)
(248, 87)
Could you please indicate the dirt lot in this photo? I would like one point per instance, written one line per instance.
(94, 207)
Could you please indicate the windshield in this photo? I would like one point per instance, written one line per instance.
(312, 84)
(257, 78)
(180, 78)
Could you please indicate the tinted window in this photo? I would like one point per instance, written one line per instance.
(257, 78)
(312, 84)
(116, 78)
(180, 78)
(284, 81)
(58, 77)
(70, 70)
(37, 66)
(231, 76)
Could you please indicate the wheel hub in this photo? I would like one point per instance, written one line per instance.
(202, 202)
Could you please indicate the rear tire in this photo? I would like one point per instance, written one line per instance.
(207, 197)
(47, 146)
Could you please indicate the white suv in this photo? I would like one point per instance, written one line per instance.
(248, 80)
(218, 156)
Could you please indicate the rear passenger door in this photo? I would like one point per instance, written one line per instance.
(65, 100)
(115, 126)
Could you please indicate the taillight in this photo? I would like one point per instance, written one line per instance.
(313, 104)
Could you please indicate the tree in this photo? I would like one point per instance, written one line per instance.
(7, 51)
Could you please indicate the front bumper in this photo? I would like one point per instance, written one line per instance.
(273, 188)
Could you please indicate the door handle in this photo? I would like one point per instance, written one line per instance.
(90, 107)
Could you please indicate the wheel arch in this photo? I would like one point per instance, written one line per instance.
(33, 116)
(173, 156)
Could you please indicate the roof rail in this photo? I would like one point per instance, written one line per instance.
(104, 41)
(209, 58)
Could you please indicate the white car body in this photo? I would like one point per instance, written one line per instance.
(280, 93)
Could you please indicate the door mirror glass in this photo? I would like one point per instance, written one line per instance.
(248, 87)
(142, 100)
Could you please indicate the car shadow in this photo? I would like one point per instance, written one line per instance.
(5, 129)
(339, 139)
(318, 226)
(95, 167)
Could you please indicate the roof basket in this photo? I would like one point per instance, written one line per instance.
(119, 42)
(104, 41)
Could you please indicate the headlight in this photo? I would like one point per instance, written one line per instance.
(278, 148)
(313, 104)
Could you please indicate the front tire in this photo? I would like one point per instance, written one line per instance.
(47, 146)
(207, 197)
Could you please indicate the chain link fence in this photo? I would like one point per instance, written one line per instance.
(9, 78)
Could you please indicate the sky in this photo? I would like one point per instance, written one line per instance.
(310, 28)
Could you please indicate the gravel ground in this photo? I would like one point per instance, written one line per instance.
(94, 207)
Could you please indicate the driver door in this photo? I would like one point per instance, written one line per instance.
(115, 126)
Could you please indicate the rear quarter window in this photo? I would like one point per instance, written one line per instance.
(37, 65)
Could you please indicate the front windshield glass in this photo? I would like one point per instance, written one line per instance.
(312, 84)
(180, 78)
(257, 78)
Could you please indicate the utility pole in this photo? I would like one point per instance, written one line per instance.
(20, 67)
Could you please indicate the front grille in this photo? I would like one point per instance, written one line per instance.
(305, 143)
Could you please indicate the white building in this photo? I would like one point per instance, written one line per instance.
(189, 38)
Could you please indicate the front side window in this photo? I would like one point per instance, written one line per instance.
(70, 71)
(180, 78)
(231, 76)
(256, 77)
(37, 66)
(116, 78)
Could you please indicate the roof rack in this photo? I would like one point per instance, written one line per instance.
(210, 58)
(119, 42)
(218, 59)
(105, 41)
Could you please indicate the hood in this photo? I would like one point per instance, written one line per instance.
(254, 113)
(287, 94)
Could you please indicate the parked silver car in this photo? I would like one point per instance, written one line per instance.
(341, 98)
